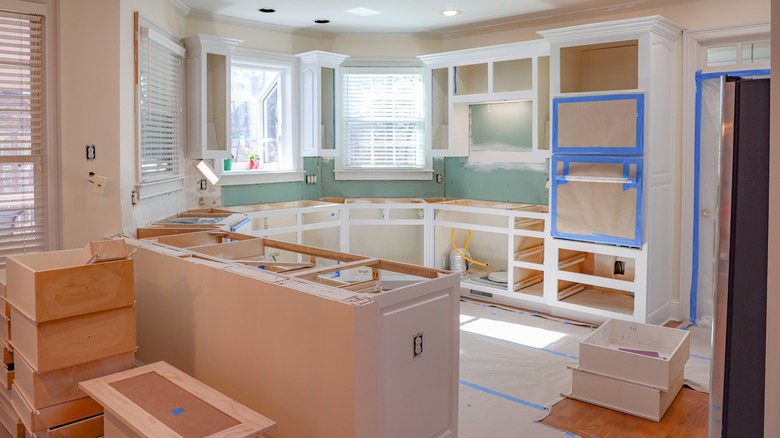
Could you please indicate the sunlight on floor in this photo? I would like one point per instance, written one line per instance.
(516, 333)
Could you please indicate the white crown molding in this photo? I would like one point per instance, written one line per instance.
(632, 26)
(207, 16)
(325, 59)
(180, 7)
(498, 52)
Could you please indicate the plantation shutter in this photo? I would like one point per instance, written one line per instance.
(383, 120)
(22, 134)
(160, 106)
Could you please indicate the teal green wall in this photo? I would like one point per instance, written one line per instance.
(523, 184)
(274, 192)
(380, 189)
(461, 181)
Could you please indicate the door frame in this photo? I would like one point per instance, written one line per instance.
(693, 41)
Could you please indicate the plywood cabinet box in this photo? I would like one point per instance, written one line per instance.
(72, 341)
(8, 417)
(91, 427)
(36, 420)
(47, 389)
(600, 353)
(53, 285)
(6, 376)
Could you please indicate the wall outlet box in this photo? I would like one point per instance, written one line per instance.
(417, 345)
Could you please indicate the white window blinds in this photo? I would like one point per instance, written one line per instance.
(22, 134)
(160, 103)
(383, 120)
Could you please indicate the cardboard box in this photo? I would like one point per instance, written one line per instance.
(72, 341)
(600, 353)
(58, 284)
(47, 389)
(53, 416)
(622, 395)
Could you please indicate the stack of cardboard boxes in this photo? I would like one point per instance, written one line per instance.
(72, 318)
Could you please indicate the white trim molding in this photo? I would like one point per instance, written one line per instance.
(693, 40)
(180, 7)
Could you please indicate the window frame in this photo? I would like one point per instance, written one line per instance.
(148, 189)
(287, 65)
(341, 171)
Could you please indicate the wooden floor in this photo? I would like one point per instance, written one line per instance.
(686, 417)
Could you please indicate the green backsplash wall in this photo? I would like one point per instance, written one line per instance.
(523, 184)
(461, 180)
(274, 192)
(380, 189)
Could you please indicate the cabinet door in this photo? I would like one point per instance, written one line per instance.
(599, 125)
(597, 199)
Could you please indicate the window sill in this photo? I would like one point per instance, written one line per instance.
(238, 177)
(156, 188)
(384, 174)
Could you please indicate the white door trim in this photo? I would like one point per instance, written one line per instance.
(693, 40)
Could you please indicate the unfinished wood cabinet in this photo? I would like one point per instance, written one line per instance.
(58, 284)
(36, 420)
(9, 419)
(72, 341)
(91, 427)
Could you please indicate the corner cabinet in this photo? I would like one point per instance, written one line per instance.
(474, 90)
(319, 88)
(613, 93)
(208, 71)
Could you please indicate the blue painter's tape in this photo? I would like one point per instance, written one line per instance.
(627, 162)
(454, 81)
(700, 357)
(495, 314)
(570, 434)
(636, 149)
(557, 353)
(178, 411)
(504, 396)
(700, 77)
(239, 225)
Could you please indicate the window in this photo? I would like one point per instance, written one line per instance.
(160, 109)
(23, 138)
(737, 54)
(383, 121)
(261, 117)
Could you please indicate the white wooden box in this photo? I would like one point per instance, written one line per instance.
(600, 353)
(622, 395)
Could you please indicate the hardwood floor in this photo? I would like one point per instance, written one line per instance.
(685, 418)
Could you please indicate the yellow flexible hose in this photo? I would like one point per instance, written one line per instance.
(466, 248)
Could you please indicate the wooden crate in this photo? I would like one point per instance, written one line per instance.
(58, 284)
(72, 341)
(11, 423)
(60, 386)
(139, 403)
(622, 395)
(53, 416)
(599, 353)
(88, 428)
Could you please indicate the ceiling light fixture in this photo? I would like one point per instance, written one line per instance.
(267, 10)
(322, 21)
(450, 12)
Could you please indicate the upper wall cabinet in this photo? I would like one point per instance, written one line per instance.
(489, 99)
(319, 82)
(208, 70)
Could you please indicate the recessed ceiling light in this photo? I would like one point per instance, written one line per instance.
(322, 21)
(267, 10)
(450, 12)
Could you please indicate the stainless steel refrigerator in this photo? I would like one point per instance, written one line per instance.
(739, 323)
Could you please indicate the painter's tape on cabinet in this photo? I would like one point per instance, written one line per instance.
(598, 199)
(599, 125)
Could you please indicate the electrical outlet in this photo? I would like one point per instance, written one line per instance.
(203, 184)
(438, 178)
(417, 345)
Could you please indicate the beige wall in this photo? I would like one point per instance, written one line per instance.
(89, 114)
(771, 419)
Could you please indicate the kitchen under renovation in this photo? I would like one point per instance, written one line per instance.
(388, 220)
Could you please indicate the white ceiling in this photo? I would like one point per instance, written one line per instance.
(404, 16)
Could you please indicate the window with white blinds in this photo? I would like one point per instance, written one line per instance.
(383, 120)
(22, 134)
(160, 104)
